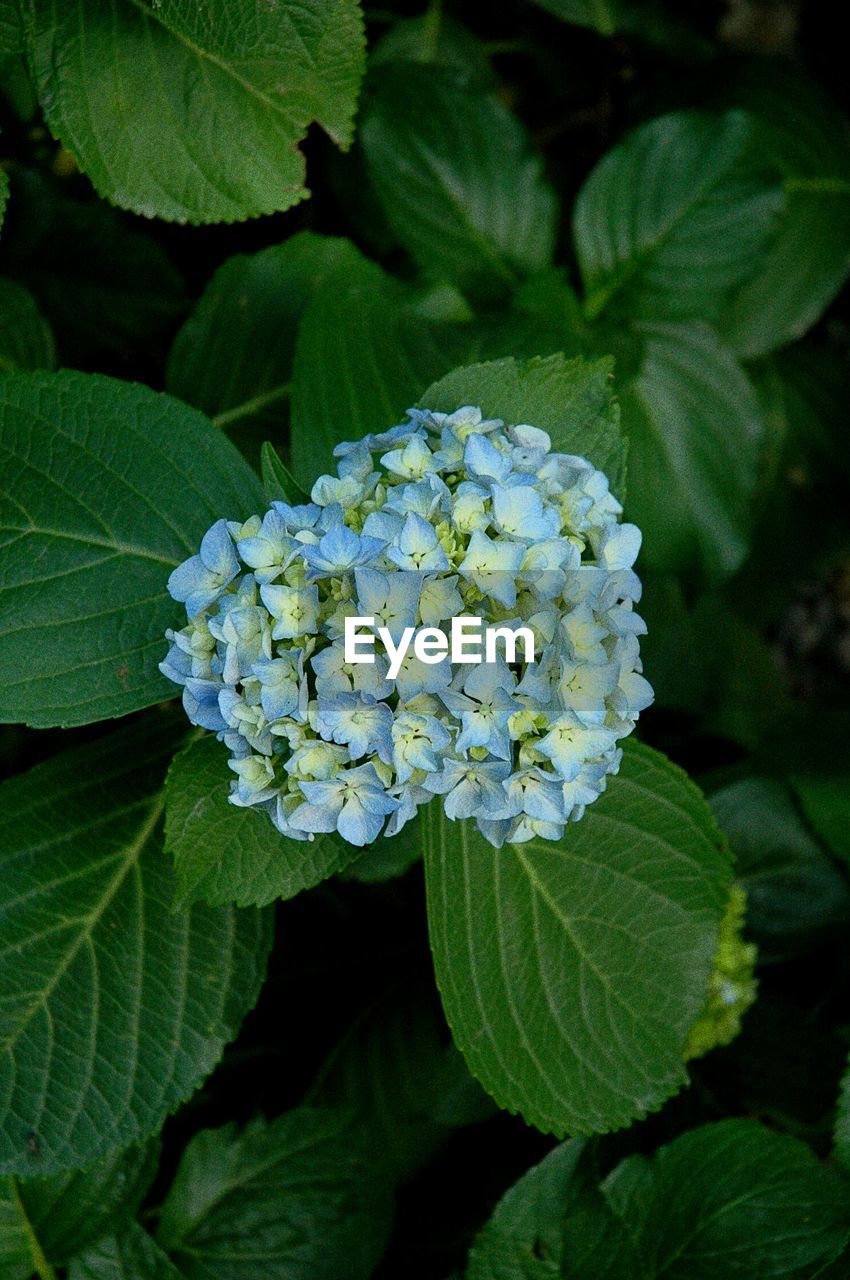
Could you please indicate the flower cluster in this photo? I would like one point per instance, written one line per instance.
(457, 516)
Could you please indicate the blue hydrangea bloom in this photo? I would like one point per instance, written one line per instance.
(442, 516)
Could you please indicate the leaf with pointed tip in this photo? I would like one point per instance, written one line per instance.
(114, 1007)
(224, 854)
(293, 1197)
(194, 112)
(570, 399)
(108, 486)
(25, 339)
(571, 972)
(278, 481)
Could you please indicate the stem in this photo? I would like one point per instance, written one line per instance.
(247, 407)
(432, 25)
(42, 1266)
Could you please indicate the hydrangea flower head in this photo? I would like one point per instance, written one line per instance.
(442, 516)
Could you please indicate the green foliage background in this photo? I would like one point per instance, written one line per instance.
(226, 1056)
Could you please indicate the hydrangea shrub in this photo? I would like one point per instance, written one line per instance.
(298, 976)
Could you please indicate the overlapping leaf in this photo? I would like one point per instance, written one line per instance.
(695, 428)
(571, 972)
(113, 1006)
(108, 487)
(56, 1218)
(225, 854)
(458, 182)
(233, 356)
(194, 112)
(673, 219)
(294, 1197)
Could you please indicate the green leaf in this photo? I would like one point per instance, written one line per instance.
(554, 1223)
(673, 219)
(571, 399)
(104, 286)
(109, 486)
(694, 427)
(732, 1199)
(25, 339)
(571, 973)
(793, 889)
(365, 326)
(396, 1071)
(233, 356)
(825, 799)
(4, 194)
(224, 854)
(176, 111)
(523, 1238)
(131, 1255)
(278, 481)
(293, 1197)
(114, 1007)
(61, 1216)
(805, 140)
(459, 182)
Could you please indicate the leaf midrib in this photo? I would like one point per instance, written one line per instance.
(204, 55)
(90, 922)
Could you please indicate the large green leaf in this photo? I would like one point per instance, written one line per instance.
(458, 182)
(4, 194)
(225, 854)
(233, 356)
(179, 111)
(114, 1007)
(570, 399)
(571, 972)
(363, 355)
(694, 427)
(25, 339)
(732, 1199)
(673, 219)
(108, 487)
(61, 1216)
(294, 1197)
(807, 142)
